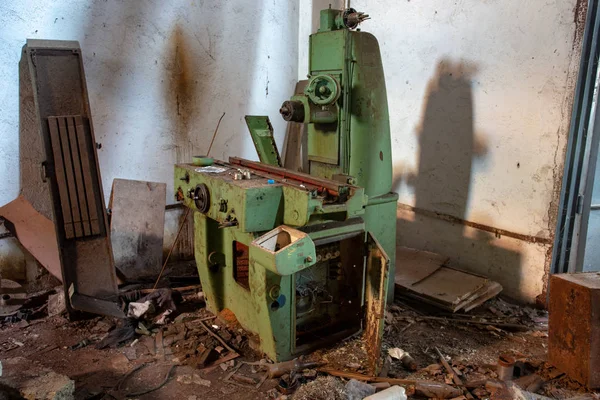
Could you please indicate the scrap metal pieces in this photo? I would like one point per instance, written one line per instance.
(244, 380)
(420, 387)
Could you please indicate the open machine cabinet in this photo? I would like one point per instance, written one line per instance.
(293, 254)
(297, 289)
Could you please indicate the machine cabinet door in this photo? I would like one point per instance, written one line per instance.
(377, 275)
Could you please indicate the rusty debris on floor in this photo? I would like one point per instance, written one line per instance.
(170, 346)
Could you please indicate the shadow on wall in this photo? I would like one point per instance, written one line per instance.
(448, 147)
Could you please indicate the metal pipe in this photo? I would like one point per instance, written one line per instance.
(506, 367)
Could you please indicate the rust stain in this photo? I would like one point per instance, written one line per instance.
(181, 91)
(496, 231)
(371, 339)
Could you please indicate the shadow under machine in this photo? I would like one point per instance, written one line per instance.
(304, 259)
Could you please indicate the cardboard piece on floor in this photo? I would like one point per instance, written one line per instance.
(137, 227)
(35, 232)
(425, 276)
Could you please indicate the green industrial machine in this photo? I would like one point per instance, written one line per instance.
(305, 259)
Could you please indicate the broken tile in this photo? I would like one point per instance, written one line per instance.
(56, 303)
(129, 352)
(185, 379)
(357, 390)
(199, 381)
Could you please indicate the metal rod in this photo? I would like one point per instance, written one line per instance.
(214, 135)
(172, 247)
(285, 173)
(224, 343)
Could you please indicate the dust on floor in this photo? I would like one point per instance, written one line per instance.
(471, 344)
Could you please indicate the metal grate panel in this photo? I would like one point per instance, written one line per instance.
(73, 172)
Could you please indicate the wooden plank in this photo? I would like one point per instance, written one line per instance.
(68, 168)
(492, 290)
(416, 265)
(448, 286)
(79, 183)
(88, 173)
(422, 275)
(61, 181)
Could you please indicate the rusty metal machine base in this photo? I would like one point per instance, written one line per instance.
(574, 326)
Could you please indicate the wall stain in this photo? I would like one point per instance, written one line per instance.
(182, 92)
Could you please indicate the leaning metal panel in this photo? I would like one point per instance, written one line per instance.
(59, 170)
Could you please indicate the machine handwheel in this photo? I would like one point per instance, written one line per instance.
(202, 198)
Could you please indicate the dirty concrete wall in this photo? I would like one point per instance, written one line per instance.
(480, 94)
(159, 75)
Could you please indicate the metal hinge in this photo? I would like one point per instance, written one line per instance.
(579, 207)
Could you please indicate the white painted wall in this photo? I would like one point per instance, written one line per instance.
(484, 144)
(480, 96)
(159, 75)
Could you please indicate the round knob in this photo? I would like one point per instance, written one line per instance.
(202, 198)
(292, 111)
(323, 89)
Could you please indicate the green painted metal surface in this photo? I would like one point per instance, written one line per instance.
(284, 251)
(358, 143)
(262, 135)
(296, 260)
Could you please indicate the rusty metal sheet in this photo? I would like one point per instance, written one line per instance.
(574, 326)
(377, 275)
(34, 231)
